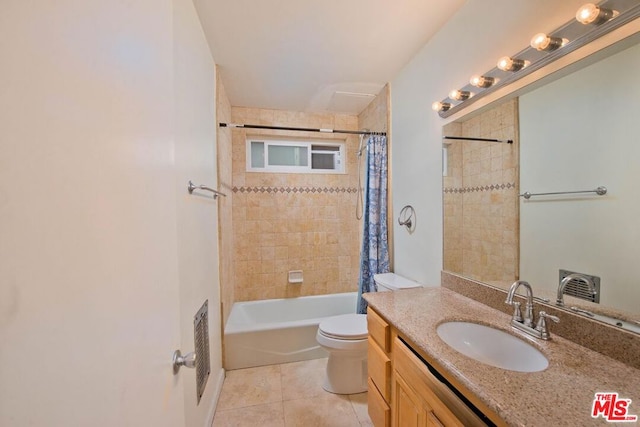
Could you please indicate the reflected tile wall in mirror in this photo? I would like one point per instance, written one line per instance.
(481, 238)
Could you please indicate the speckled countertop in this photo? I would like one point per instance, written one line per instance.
(561, 395)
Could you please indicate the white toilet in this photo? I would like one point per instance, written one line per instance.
(345, 338)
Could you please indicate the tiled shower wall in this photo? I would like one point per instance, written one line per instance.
(481, 238)
(376, 118)
(287, 221)
(225, 219)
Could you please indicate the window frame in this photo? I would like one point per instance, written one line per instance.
(304, 143)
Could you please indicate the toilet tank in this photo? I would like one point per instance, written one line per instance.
(393, 282)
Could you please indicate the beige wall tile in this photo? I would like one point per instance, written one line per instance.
(278, 232)
(481, 234)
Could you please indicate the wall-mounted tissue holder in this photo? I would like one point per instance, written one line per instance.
(295, 276)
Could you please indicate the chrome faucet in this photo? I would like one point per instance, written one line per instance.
(525, 324)
(574, 276)
(528, 313)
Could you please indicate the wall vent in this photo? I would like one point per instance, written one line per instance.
(201, 338)
(579, 289)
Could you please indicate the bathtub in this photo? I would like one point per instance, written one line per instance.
(280, 330)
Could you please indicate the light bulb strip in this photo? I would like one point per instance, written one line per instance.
(578, 35)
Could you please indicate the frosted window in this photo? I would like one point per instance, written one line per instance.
(257, 154)
(288, 155)
(295, 156)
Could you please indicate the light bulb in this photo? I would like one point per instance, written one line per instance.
(440, 106)
(592, 14)
(543, 42)
(510, 64)
(481, 81)
(459, 95)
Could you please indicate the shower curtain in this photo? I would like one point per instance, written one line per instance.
(374, 256)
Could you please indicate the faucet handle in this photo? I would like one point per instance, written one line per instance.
(542, 324)
(543, 314)
(517, 314)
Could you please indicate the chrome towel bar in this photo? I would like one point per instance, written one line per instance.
(600, 191)
(192, 187)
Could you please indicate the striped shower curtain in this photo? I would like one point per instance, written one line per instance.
(374, 256)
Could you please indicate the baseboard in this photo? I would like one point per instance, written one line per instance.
(216, 397)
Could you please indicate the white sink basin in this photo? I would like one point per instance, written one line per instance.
(492, 346)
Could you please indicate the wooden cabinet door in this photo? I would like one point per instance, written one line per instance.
(413, 384)
(408, 409)
(432, 420)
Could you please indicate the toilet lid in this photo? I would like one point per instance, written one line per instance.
(345, 326)
(394, 282)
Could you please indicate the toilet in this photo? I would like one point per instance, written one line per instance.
(390, 282)
(345, 339)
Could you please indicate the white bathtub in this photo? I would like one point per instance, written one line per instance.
(280, 330)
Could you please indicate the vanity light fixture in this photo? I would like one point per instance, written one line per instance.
(590, 22)
(507, 63)
(592, 14)
(543, 42)
(440, 106)
(481, 81)
(459, 95)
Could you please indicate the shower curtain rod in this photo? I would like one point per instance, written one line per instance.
(351, 132)
(506, 141)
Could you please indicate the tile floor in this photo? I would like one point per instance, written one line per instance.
(287, 395)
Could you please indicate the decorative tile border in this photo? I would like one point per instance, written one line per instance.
(294, 190)
(480, 189)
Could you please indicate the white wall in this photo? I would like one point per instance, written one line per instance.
(578, 133)
(471, 42)
(91, 232)
(197, 215)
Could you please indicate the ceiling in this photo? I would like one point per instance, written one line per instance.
(316, 55)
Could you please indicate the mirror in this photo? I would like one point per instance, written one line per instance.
(575, 133)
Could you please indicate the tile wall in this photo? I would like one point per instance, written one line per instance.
(273, 223)
(225, 204)
(481, 225)
(286, 221)
(376, 118)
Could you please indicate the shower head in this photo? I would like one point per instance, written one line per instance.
(362, 146)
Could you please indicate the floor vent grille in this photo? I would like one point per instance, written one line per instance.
(201, 332)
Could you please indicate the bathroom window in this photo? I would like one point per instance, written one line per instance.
(278, 156)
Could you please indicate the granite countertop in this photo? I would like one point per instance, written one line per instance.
(560, 395)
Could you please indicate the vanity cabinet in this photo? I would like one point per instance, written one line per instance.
(379, 370)
(403, 392)
(415, 395)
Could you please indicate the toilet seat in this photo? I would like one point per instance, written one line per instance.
(348, 327)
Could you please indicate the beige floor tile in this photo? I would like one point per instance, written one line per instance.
(269, 415)
(303, 379)
(250, 387)
(360, 406)
(328, 410)
(288, 395)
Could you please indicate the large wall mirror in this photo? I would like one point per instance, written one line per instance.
(574, 133)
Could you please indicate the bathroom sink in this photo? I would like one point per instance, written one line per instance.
(492, 346)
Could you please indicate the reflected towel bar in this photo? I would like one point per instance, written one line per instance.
(192, 187)
(600, 191)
